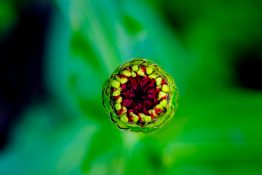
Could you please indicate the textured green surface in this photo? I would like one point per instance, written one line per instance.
(217, 129)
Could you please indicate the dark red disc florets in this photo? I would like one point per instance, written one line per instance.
(139, 94)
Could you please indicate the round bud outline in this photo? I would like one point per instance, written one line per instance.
(171, 103)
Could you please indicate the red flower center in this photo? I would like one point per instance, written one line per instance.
(139, 94)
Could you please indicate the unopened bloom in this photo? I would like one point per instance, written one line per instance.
(140, 96)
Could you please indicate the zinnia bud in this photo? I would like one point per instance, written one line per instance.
(140, 96)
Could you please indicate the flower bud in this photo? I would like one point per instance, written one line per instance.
(139, 96)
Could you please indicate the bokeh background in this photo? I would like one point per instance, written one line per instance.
(56, 55)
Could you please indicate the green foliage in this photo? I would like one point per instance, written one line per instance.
(7, 17)
(217, 129)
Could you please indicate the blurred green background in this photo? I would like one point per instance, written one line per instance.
(213, 49)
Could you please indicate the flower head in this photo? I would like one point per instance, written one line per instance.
(139, 96)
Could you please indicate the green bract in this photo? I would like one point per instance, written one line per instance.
(140, 96)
